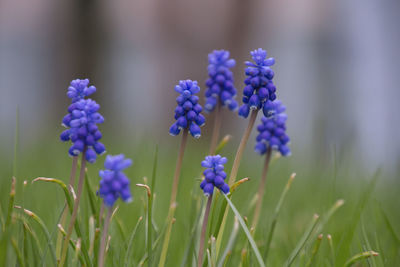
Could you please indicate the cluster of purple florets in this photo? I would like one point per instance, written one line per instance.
(214, 175)
(114, 182)
(81, 122)
(272, 130)
(220, 85)
(188, 112)
(259, 86)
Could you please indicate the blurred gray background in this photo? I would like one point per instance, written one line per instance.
(337, 66)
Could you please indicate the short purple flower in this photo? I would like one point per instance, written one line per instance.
(272, 130)
(214, 175)
(259, 86)
(81, 123)
(79, 89)
(188, 112)
(220, 85)
(114, 182)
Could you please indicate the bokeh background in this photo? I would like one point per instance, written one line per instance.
(337, 67)
(337, 71)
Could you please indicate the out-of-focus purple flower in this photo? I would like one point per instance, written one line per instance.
(79, 89)
(272, 130)
(214, 175)
(188, 112)
(220, 85)
(114, 182)
(259, 86)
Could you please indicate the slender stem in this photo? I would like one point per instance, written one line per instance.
(242, 146)
(216, 129)
(261, 189)
(104, 237)
(203, 232)
(75, 210)
(172, 204)
(65, 211)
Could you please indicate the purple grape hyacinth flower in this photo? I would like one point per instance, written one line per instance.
(214, 175)
(79, 89)
(220, 85)
(272, 130)
(259, 86)
(114, 182)
(81, 122)
(188, 112)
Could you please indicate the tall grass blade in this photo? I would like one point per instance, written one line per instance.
(18, 252)
(359, 257)
(344, 248)
(302, 241)
(247, 232)
(45, 231)
(276, 214)
(230, 244)
(131, 237)
(148, 222)
(67, 194)
(314, 252)
(371, 261)
(154, 172)
(222, 144)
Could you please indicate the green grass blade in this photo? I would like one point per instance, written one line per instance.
(344, 248)
(16, 144)
(131, 237)
(372, 261)
(389, 226)
(91, 196)
(230, 244)
(276, 214)
(18, 252)
(302, 241)
(45, 231)
(209, 260)
(247, 232)
(67, 194)
(154, 172)
(148, 222)
(314, 252)
(222, 144)
(359, 257)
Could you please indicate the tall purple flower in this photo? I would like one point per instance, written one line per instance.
(81, 123)
(220, 85)
(188, 112)
(259, 86)
(272, 130)
(114, 182)
(214, 175)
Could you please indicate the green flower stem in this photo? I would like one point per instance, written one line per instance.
(242, 146)
(104, 237)
(203, 232)
(75, 210)
(65, 212)
(261, 190)
(172, 204)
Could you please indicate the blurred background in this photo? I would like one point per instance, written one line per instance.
(337, 65)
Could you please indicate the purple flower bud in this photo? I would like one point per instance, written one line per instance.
(272, 130)
(214, 174)
(114, 183)
(187, 113)
(220, 82)
(244, 111)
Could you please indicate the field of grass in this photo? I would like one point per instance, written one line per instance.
(368, 220)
